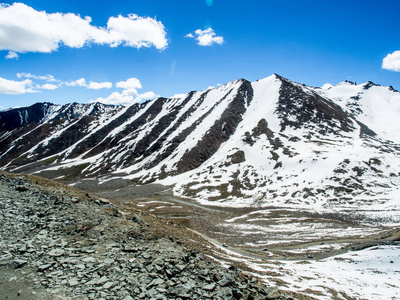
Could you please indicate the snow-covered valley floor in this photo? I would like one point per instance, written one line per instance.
(371, 273)
(325, 255)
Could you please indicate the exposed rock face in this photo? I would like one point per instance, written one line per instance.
(219, 132)
(62, 243)
(15, 118)
(298, 108)
(44, 112)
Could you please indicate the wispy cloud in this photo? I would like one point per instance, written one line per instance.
(78, 82)
(47, 86)
(48, 77)
(12, 55)
(206, 37)
(25, 29)
(32, 84)
(392, 62)
(92, 84)
(29, 85)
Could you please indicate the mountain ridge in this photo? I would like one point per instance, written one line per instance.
(269, 142)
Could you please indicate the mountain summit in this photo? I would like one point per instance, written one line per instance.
(272, 142)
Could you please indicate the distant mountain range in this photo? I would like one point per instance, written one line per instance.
(272, 142)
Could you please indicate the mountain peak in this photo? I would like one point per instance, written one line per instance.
(369, 84)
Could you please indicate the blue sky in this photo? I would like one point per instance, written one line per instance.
(138, 49)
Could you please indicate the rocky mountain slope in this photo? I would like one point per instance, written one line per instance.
(59, 243)
(272, 142)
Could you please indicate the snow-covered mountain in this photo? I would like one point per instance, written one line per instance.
(269, 142)
(46, 112)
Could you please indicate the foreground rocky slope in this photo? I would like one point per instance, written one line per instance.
(56, 241)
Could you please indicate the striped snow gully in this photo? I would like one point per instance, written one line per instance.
(210, 103)
(316, 161)
(79, 109)
(214, 104)
(96, 126)
(52, 112)
(263, 104)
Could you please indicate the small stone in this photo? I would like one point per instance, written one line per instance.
(137, 219)
(155, 282)
(18, 263)
(109, 261)
(56, 252)
(209, 287)
(44, 267)
(22, 249)
(91, 282)
(73, 282)
(181, 267)
(89, 259)
(102, 280)
(80, 266)
(226, 280)
(75, 200)
(161, 290)
(108, 285)
(56, 274)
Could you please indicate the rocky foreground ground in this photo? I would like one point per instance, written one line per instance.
(57, 242)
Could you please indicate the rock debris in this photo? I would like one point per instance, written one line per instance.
(62, 246)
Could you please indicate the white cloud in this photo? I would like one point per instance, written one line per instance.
(126, 97)
(11, 87)
(129, 95)
(99, 85)
(92, 85)
(131, 83)
(12, 55)
(48, 78)
(392, 62)
(79, 82)
(23, 29)
(137, 32)
(206, 37)
(145, 96)
(47, 86)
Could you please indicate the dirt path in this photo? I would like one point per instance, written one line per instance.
(288, 234)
